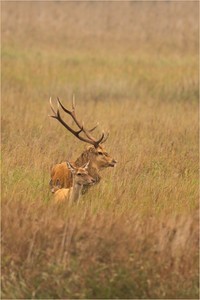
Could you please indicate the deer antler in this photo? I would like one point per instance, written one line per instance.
(89, 138)
(105, 138)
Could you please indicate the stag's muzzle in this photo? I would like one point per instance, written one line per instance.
(113, 163)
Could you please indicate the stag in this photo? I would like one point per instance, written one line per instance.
(96, 154)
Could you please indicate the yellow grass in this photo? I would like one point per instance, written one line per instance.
(134, 68)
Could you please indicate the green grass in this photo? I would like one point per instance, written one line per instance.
(98, 78)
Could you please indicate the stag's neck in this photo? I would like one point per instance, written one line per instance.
(75, 192)
(82, 159)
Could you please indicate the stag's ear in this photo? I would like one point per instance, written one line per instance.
(90, 149)
(70, 167)
(85, 166)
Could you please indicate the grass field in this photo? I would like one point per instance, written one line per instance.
(134, 68)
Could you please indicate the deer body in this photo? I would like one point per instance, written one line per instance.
(60, 172)
(99, 160)
(68, 195)
(61, 196)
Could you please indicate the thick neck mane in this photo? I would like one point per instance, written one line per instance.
(83, 158)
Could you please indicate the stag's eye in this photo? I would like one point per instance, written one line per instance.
(79, 174)
(100, 153)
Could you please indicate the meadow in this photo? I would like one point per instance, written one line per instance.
(133, 67)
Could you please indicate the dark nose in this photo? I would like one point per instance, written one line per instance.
(93, 180)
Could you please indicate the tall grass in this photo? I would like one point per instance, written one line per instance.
(136, 233)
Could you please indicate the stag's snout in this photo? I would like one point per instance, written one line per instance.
(113, 163)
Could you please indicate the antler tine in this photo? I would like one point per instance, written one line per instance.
(96, 142)
(52, 108)
(73, 102)
(66, 110)
(101, 138)
(90, 139)
(73, 115)
(92, 129)
(58, 117)
(105, 138)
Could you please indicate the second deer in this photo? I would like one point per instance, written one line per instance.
(80, 177)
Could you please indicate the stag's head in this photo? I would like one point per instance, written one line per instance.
(100, 158)
(97, 154)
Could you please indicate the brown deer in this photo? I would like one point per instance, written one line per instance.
(80, 177)
(96, 154)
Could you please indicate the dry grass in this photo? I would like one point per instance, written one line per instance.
(135, 234)
(82, 254)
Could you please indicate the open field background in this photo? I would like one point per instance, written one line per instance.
(134, 68)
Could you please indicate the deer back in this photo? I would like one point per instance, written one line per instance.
(61, 196)
(61, 173)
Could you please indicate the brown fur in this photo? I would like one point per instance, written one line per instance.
(61, 173)
(98, 162)
(61, 196)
